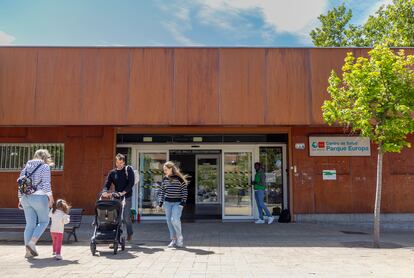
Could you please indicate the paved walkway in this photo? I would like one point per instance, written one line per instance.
(222, 250)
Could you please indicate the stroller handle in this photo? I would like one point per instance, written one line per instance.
(114, 195)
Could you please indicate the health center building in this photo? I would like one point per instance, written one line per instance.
(214, 111)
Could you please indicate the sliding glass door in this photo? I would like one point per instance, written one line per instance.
(237, 195)
(150, 177)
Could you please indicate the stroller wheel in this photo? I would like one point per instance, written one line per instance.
(123, 243)
(93, 248)
(115, 247)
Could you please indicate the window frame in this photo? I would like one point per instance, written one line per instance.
(28, 152)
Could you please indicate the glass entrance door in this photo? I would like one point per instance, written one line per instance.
(150, 178)
(272, 160)
(221, 178)
(208, 186)
(237, 184)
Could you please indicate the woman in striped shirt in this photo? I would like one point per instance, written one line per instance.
(36, 205)
(173, 196)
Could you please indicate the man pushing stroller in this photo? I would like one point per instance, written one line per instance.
(123, 179)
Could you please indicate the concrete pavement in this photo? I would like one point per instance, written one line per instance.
(222, 250)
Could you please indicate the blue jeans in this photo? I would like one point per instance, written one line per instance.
(173, 212)
(36, 212)
(127, 216)
(259, 196)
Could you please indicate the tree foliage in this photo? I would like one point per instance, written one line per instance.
(392, 24)
(375, 97)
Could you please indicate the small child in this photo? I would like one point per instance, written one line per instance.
(60, 216)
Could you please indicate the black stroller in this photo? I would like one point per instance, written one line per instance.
(108, 223)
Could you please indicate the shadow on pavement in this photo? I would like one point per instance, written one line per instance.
(146, 250)
(49, 262)
(196, 251)
(370, 244)
(122, 255)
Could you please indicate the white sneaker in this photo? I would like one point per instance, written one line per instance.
(259, 221)
(180, 242)
(58, 257)
(32, 248)
(172, 243)
(270, 220)
(28, 254)
(265, 218)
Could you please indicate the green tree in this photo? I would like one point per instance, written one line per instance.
(333, 31)
(393, 24)
(375, 97)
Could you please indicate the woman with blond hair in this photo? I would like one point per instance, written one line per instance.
(174, 196)
(36, 203)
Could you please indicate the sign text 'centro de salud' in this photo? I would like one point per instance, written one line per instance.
(339, 146)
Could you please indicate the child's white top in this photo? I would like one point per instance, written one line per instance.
(59, 219)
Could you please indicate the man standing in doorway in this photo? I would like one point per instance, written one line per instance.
(123, 178)
(259, 194)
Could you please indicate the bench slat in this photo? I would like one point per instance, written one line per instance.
(12, 219)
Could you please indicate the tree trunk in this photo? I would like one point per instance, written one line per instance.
(377, 209)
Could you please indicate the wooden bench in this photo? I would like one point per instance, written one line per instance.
(12, 219)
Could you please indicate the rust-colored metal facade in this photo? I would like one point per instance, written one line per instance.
(83, 96)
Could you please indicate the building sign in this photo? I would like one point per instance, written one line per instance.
(339, 146)
(329, 175)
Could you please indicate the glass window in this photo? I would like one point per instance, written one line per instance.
(14, 156)
(208, 179)
(271, 159)
(151, 173)
(237, 184)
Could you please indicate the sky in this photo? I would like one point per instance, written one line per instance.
(270, 23)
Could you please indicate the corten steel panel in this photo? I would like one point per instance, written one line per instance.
(242, 86)
(59, 81)
(204, 130)
(363, 172)
(85, 165)
(403, 193)
(287, 86)
(340, 164)
(364, 192)
(196, 86)
(333, 194)
(8, 185)
(17, 85)
(303, 190)
(46, 134)
(105, 86)
(322, 62)
(58, 185)
(304, 199)
(354, 189)
(402, 163)
(151, 91)
(145, 86)
(13, 132)
(74, 131)
(389, 193)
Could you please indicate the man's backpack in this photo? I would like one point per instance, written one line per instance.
(284, 216)
(126, 173)
(25, 183)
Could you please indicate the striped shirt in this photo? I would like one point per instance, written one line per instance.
(41, 178)
(173, 189)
